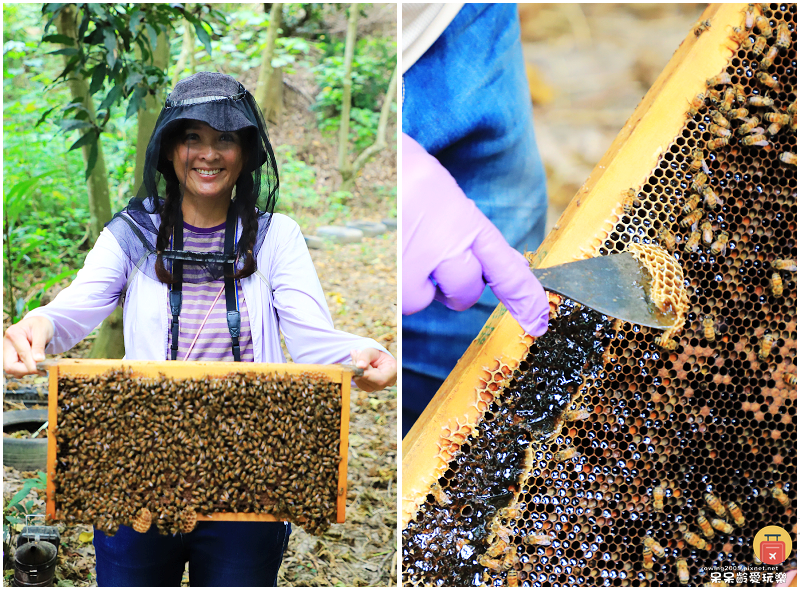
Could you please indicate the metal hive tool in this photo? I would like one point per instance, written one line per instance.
(599, 455)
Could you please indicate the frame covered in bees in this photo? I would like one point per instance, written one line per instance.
(607, 454)
(172, 443)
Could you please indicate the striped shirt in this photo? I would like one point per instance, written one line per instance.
(214, 342)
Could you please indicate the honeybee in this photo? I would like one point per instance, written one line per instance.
(697, 161)
(658, 498)
(683, 571)
(708, 328)
(701, 27)
(783, 37)
(741, 36)
(741, 93)
(720, 119)
(718, 143)
(722, 526)
(719, 131)
(760, 101)
(647, 558)
(695, 540)
(704, 525)
(765, 346)
(667, 238)
(758, 139)
(762, 24)
(790, 379)
(691, 219)
(628, 200)
(759, 45)
(496, 565)
(715, 505)
(780, 496)
(719, 79)
(537, 540)
(740, 113)
(749, 16)
(441, 497)
(708, 232)
(666, 343)
(767, 80)
(788, 158)
(711, 198)
(786, 264)
(699, 181)
(720, 244)
(566, 454)
(776, 284)
(573, 415)
(769, 58)
(727, 100)
(691, 203)
(512, 579)
(697, 103)
(774, 129)
(693, 242)
(792, 108)
(657, 549)
(778, 118)
(748, 125)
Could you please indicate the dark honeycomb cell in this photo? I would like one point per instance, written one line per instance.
(711, 424)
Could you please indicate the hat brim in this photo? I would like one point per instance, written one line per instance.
(221, 115)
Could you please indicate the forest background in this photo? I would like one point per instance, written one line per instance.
(69, 164)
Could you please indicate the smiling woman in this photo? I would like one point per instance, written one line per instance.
(201, 225)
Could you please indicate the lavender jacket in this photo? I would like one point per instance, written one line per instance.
(284, 294)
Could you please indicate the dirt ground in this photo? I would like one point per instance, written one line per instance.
(360, 285)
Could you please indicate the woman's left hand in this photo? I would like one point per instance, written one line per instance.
(380, 369)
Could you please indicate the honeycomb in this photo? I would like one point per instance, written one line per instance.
(134, 450)
(609, 456)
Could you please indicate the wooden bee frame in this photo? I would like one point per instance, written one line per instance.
(185, 370)
(585, 224)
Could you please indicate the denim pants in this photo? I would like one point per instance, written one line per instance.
(467, 102)
(219, 554)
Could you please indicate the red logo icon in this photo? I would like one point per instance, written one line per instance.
(772, 552)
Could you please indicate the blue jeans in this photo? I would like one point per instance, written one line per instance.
(219, 554)
(467, 102)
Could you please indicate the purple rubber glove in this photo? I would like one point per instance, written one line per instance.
(446, 238)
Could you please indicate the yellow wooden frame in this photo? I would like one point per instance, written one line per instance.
(194, 369)
(582, 227)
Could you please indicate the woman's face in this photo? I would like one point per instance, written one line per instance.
(207, 162)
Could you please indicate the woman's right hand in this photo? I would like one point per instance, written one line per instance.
(23, 345)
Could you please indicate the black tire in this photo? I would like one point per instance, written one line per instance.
(25, 454)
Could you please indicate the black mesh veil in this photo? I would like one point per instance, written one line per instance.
(224, 104)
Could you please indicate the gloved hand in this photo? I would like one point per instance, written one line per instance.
(446, 238)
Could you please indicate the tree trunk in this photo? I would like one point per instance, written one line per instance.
(345, 168)
(152, 107)
(110, 343)
(380, 136)
(187, 51)
(97, 184)
(269, 89)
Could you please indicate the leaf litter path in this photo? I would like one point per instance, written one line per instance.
(360, 285)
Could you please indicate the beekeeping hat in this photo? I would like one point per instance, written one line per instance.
(223, 103)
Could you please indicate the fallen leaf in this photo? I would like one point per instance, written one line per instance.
(86, 537)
